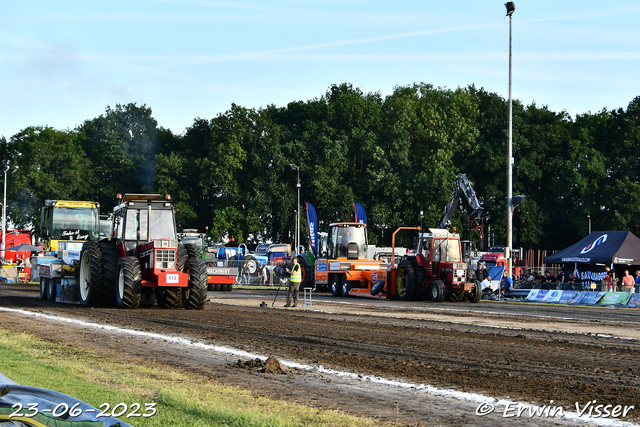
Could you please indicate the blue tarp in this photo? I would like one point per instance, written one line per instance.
(496, 273)
(47, 401)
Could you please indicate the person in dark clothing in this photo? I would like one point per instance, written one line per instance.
(483, 272)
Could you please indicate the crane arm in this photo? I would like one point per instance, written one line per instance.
(463, 187)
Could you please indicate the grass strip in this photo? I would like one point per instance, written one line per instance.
(180, 398)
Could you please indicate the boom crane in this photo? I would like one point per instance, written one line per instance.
(463, 187)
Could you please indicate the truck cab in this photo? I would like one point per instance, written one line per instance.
(68, 220)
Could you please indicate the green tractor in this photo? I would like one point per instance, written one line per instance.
(192, 236)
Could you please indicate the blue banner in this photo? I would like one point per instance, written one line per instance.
(361, 216)
(312, 221)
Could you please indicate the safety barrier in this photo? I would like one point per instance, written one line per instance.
(618, 299)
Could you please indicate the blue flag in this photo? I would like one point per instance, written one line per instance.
(312, 221)
(361, 216)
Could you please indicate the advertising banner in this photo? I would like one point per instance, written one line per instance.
(612, 298)
(361, 215)
(634, 301)
(312, 222)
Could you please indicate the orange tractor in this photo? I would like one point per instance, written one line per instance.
(342, 265)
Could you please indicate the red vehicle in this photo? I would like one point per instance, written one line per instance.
(15, 238)
(437, 270)
(20, 258)
(495, 258)
(142, 262)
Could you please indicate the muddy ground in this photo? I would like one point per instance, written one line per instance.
(533, 354)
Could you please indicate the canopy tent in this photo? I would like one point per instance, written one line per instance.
(601, 247)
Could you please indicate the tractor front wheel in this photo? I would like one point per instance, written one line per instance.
(129, 287)
(475, 294)
(436, 290)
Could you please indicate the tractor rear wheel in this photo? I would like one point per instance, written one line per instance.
(436, 290)
(91, 275)
(192, 250)
(195, 295)
(475, 294)
(336, 289)
(168, 297)
(110, 258)
(307, 273)
(129, 282)
(457, 295)
(407, 280)
(182, 256)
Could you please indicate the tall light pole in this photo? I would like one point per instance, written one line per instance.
(4, 208)
(511, 7)
(297, 236)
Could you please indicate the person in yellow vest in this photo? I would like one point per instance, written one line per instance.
(294, 284)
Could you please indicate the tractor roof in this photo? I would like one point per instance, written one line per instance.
(348, 224)
(440, 232)
(138, 197)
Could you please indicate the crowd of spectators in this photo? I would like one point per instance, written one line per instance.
(609, 283)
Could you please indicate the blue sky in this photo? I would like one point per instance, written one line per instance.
(64, 62)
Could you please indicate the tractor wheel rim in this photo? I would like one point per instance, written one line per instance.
(400, 281)
(121, 283)
(85, 275)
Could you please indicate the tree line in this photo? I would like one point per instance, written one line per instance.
(396, 155)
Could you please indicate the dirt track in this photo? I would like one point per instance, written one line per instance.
(525, 353)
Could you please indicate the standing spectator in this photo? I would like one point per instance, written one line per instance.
(560, 277)
(628, 282)
(263, 271)
(244, 275)
(637, 280)
(484, 273)
(294, 284)
(610, 279)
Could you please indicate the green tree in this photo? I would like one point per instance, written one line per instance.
(45, 164)
(122, 146)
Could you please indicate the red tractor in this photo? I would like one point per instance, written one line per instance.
(437, 270)
(142, 261)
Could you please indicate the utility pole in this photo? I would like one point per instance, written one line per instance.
(511, 7)
(4, 209)
(297, 234)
